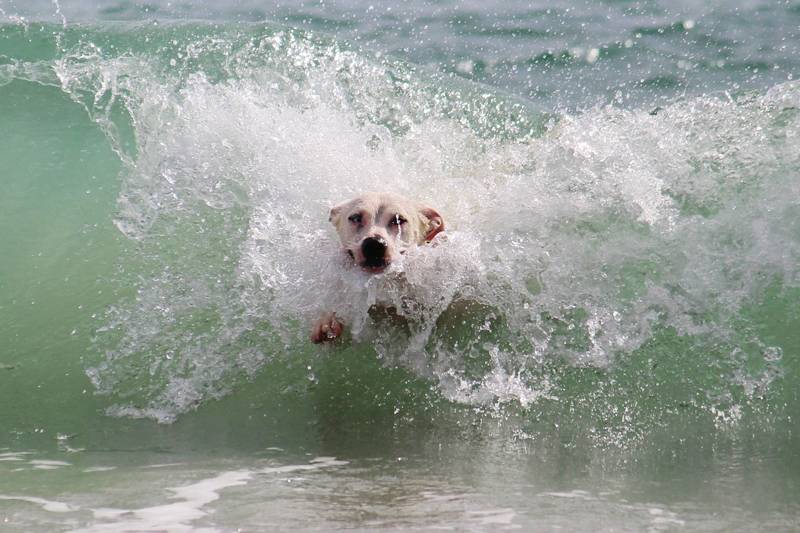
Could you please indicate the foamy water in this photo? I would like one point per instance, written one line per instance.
(577, 237)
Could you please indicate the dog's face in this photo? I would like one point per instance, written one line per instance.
(376, 227)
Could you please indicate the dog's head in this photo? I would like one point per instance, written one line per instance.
(376, 227)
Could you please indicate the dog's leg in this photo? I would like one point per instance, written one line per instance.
(327, 328)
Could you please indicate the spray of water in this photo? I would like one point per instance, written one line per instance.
(575, 237)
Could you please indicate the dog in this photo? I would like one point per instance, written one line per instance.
(374, 230)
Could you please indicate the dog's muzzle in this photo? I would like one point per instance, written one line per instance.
(374, 251)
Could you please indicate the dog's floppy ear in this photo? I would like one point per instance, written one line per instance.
(336, 213)
(435, 223)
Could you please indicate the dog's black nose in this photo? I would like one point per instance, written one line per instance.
(374, 249)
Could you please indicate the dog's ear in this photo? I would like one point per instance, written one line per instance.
(435, 223)
(336, 213)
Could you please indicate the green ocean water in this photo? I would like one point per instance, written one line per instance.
(607, 339)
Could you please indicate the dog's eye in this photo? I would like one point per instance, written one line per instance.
(397, 220)
(355, 218)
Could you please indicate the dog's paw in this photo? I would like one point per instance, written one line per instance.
(327, 329)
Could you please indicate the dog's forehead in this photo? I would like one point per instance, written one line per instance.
(380, 204)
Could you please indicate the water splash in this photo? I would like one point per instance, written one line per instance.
(576, 237)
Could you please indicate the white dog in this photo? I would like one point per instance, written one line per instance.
(375, 228)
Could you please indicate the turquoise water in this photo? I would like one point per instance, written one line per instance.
(607, 339)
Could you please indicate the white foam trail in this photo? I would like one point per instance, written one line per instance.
(48, 505)
(14, 456)
(180, 515)
(193, 498)
(49, 462)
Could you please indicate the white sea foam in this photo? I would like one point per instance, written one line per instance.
(190, 505)
(48, 464)
(48, 505)
(577, 242)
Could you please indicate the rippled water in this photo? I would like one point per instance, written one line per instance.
(605, 337)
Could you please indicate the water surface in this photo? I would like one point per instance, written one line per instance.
(607, 338)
